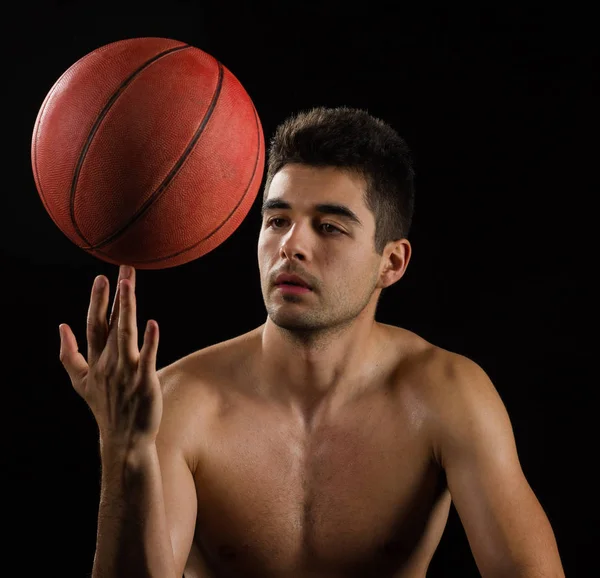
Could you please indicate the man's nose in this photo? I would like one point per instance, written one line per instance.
(296, 242)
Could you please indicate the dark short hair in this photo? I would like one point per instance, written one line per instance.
(352, 139)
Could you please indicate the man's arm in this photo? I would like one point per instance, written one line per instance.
(132, 538)
(507, 529)
(147, 494)
(147, 508)
(176, 455)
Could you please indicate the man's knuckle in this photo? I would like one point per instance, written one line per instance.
(125, 333)
(122, 370)
(102, 371)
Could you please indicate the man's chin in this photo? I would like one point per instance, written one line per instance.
(292, 320)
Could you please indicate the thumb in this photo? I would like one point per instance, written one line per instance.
(69, 355)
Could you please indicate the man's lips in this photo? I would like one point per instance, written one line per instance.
(288, 288)
(290, 279)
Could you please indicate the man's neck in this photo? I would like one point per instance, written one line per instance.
(304, 369)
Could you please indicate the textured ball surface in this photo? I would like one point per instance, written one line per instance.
(147, 152)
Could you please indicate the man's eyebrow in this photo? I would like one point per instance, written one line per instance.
(324, 208)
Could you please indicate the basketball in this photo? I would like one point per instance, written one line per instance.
(147, 152)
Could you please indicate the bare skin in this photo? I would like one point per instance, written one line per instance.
(328, 444)
(321, 444)
(351, 490)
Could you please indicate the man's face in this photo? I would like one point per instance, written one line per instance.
(332, 253)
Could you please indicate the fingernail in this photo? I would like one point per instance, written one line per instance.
(99, 283)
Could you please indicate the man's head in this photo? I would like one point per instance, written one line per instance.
(353, 140)
(342, 157)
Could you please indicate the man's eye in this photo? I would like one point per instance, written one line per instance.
(330, 225)
(272, 221)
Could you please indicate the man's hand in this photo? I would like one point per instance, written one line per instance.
(118, 381)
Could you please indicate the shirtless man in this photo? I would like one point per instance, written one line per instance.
(322, 444)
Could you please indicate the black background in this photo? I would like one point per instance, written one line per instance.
(499, 107)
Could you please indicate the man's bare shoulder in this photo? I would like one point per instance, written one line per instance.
(194, 389)
(446, 389)
(450, 389)
(434, 373)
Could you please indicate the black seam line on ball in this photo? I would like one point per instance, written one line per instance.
(173, 172)
(96, 126)
(216, 229)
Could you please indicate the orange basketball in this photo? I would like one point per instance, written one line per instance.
(147, 152)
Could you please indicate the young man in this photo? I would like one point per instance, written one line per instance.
(321, 444)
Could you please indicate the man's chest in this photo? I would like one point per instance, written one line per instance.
(353, 492)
